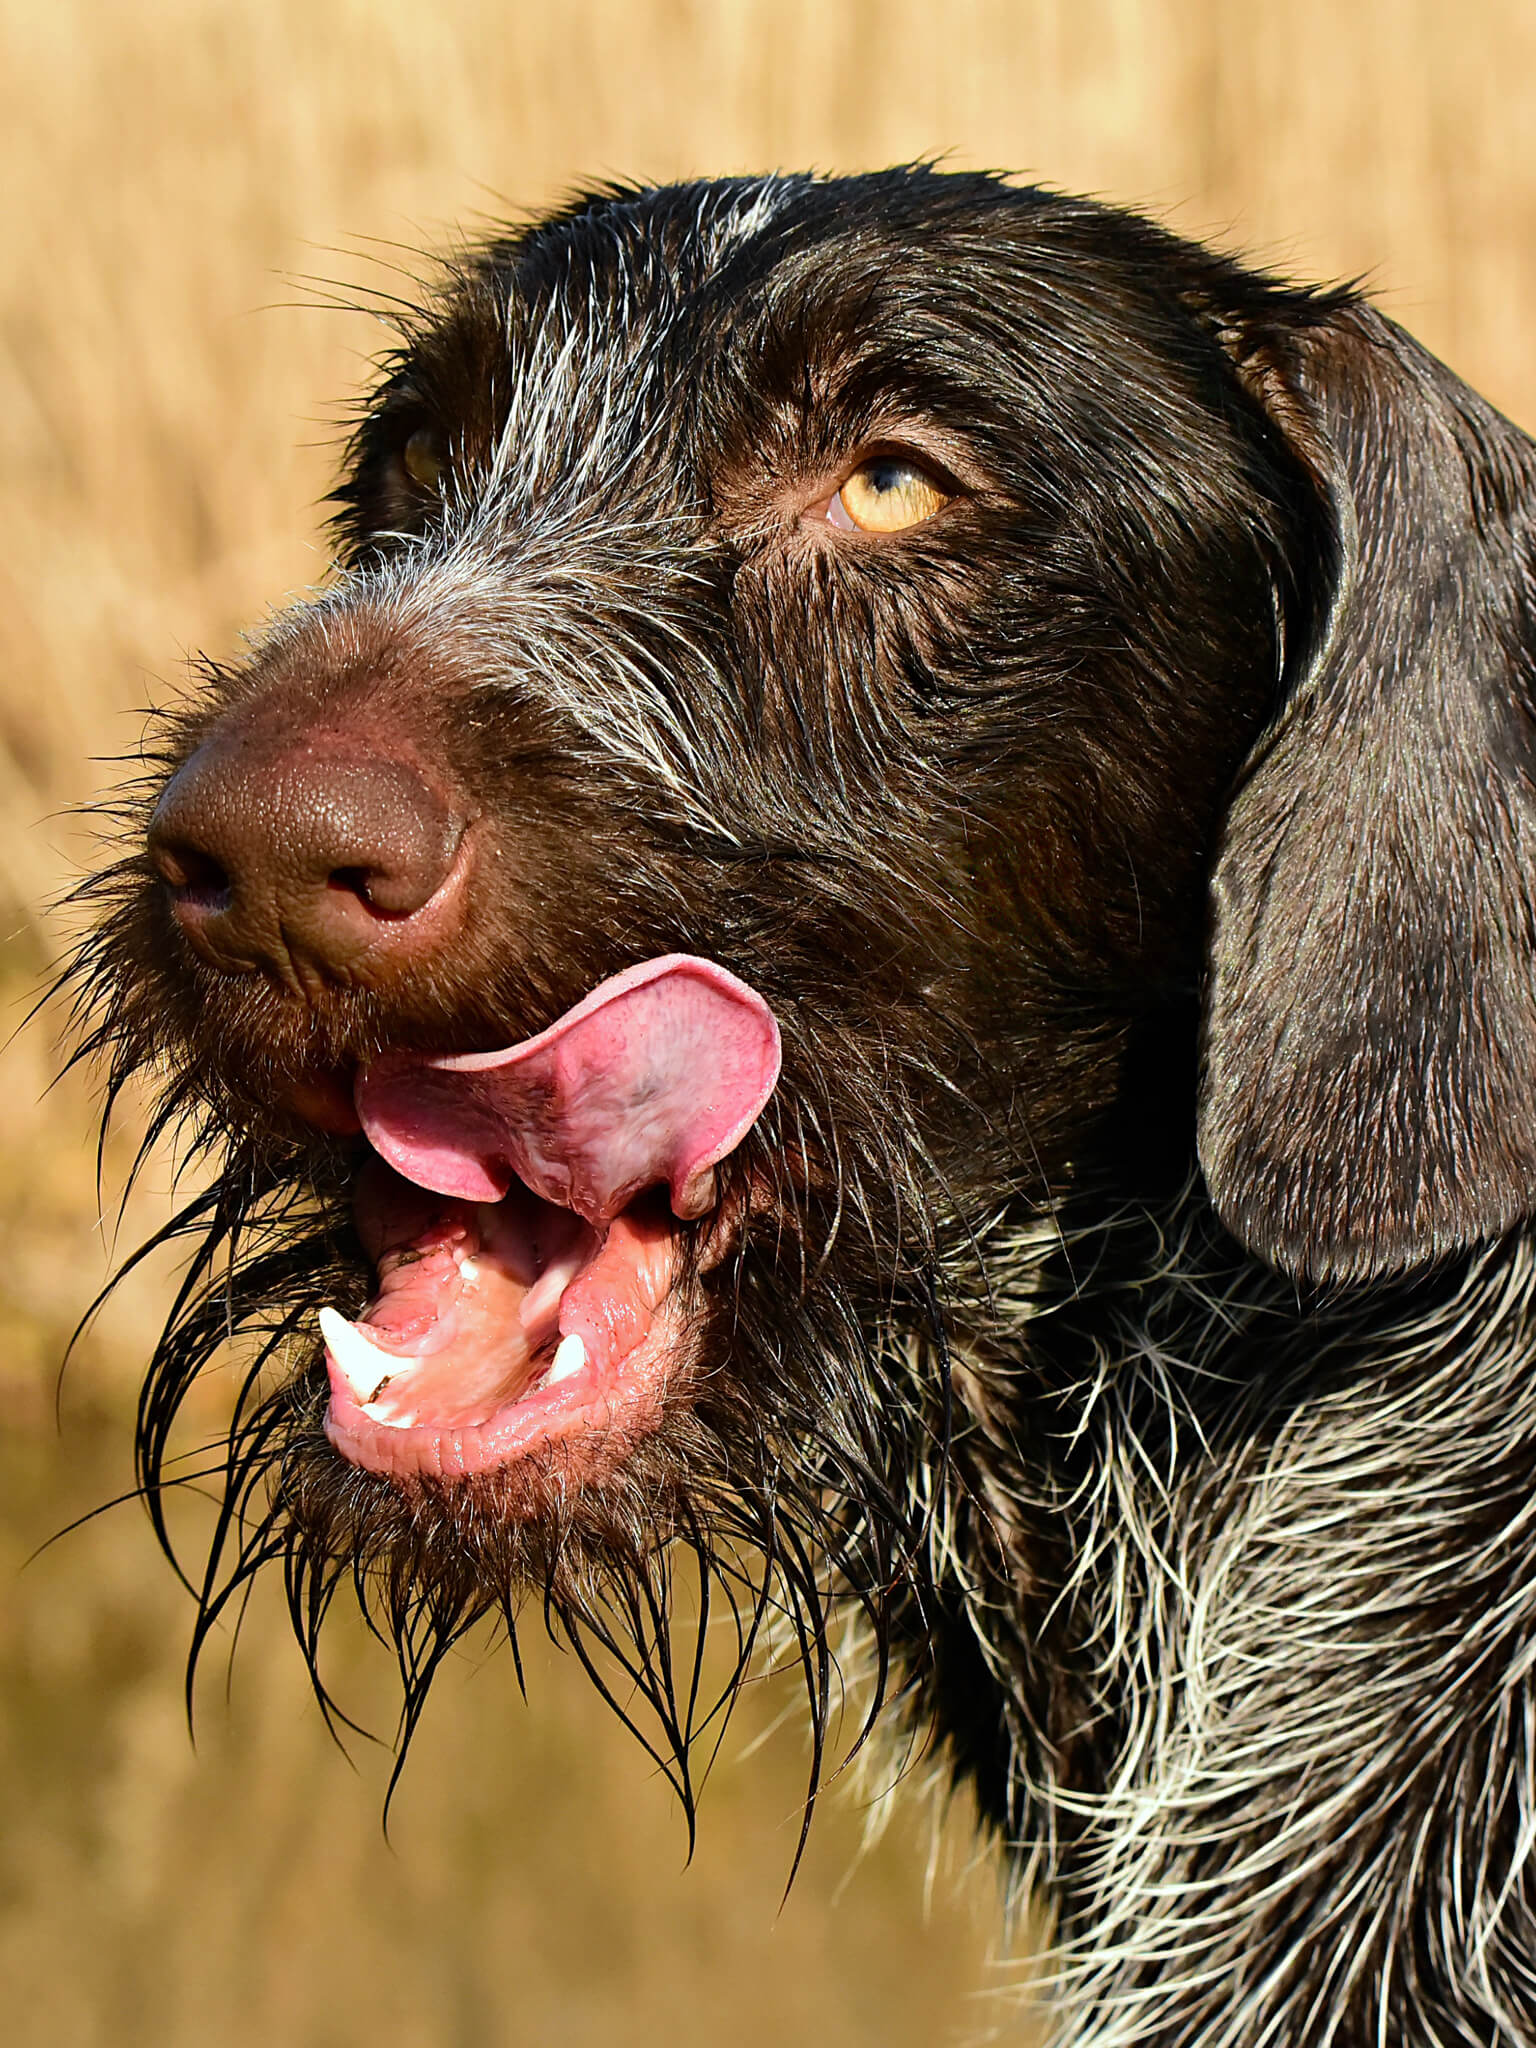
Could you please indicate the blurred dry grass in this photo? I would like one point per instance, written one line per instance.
(169, 169)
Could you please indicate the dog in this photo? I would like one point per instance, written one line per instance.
(876, 956)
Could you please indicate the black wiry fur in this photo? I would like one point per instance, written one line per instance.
(1211, 686)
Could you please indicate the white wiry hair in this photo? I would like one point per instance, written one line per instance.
(1324, 1712)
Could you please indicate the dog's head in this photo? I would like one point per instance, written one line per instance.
(734, 846)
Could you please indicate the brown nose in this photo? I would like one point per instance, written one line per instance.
(307, 855)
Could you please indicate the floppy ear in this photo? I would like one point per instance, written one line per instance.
(1369, 1086)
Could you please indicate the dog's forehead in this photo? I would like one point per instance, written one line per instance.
(703, 300)
(767, 275)
(686, 235)
(657, 299)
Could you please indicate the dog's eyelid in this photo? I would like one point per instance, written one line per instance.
(914, 454)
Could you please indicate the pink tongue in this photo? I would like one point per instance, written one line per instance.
(655, 1076)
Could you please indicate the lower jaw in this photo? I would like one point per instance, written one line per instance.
(587, 1422)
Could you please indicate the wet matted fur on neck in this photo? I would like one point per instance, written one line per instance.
(878, 949)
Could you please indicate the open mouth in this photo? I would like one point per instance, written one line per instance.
(525, 1218)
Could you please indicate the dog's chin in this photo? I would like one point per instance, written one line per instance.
(564, 1517)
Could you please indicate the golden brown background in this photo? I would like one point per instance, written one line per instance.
(170, 173)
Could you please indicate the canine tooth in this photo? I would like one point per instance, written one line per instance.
(361, 1363)
(697, 1196)
(570, 1356)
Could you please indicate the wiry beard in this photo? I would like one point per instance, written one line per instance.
(794, 1488)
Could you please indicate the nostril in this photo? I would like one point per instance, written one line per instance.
(356, 882)
(394, 892)
(193, 877)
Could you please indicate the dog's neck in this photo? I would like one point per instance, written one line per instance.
(1134, 1390)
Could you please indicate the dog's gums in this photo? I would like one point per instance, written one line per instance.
(536, 1300)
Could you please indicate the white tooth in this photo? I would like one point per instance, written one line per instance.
(696, 1196)
(359, 1360)
(570, 1356)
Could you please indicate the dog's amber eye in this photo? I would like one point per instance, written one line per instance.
(885, 495)
(423, 458)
